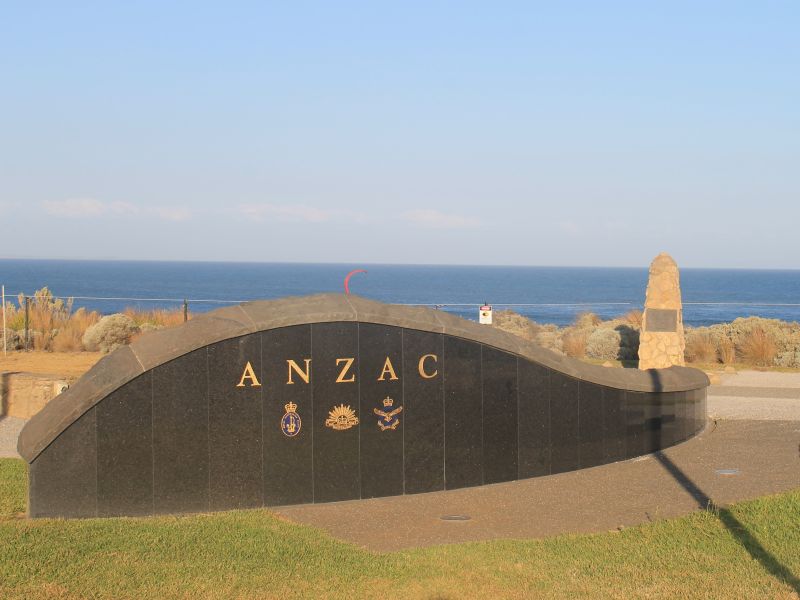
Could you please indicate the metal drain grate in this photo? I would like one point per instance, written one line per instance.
(727, 471)
(455, 518)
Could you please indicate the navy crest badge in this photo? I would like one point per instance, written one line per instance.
(388, 417)
(341, 417)
(290, 422)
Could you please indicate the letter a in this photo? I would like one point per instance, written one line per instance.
(249, 374)
(387, 368)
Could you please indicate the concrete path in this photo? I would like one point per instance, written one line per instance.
(9, 432)
(752, 449)
(756, 395)
(762, 454)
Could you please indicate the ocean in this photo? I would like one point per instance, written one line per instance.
(545, 294)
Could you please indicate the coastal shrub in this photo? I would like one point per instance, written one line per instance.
(109, 333)
(515, 323)
(69, 337)
(158, 317)
(14, 340)
(700, 347)
(758, 347)
(549, 336)
(726, 351)
(633, 318)
(574, 342)
(789, 359)
(604, 344)
(586, 320)
(629, 341)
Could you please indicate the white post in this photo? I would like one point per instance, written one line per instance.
(5, 347)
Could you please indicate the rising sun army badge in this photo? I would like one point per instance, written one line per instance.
(341, 417)
(388, 417)
(290, 422)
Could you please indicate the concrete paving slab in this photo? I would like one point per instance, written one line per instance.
(9, 433)
(763, 455)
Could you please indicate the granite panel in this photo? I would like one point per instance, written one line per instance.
(335, 357)
(635, 423)
(109, 373)
(380, 367)
(534, 419)
(500, 410)
(125, 450)
(614, 425)
(683, 426)
(651, 402)
(564, 423)
(590, 424)
(234, 423)
(700, 412)
(180, 434)
(63, 478)
(423, 408)
(288, 455)
(463, 429)
(667, 405)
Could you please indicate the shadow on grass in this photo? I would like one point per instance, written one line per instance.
(732, 524)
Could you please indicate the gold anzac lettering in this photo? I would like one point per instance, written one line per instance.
(422, 371)
(249, 374)
(387, 368)
(293, 366)
(348, 362)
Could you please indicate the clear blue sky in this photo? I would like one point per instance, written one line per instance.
(552, 133)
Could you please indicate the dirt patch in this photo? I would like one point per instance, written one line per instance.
(70, 365)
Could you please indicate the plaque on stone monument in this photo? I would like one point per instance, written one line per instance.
(662, 319)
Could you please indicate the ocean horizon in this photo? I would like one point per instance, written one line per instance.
(545, 294)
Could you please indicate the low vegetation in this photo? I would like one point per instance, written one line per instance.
(747, 341)
(750, 550)
(54, 326)
(750, 341)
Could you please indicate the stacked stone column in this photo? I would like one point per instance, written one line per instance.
(662, 342)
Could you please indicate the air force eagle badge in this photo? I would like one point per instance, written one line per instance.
(388, 416)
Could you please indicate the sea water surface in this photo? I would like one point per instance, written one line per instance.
(545, 294)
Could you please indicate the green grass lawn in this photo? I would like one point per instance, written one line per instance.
(749, 551)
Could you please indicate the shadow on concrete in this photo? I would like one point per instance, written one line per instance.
(740, 533)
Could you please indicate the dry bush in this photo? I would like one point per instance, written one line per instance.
(109, 333)
(758, 348)
(574, 343)
(700, 348)
(159, 317)
(586, 320)
(633, 318)
(727, 351)
(516, 324)
(70, 337)
(604, 343)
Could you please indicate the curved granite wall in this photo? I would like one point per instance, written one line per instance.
(329, 398)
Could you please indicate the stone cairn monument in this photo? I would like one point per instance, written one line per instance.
(661, 342)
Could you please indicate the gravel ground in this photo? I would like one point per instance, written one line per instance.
(9, 432)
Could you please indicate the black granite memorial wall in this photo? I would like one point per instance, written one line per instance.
(336, 398)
